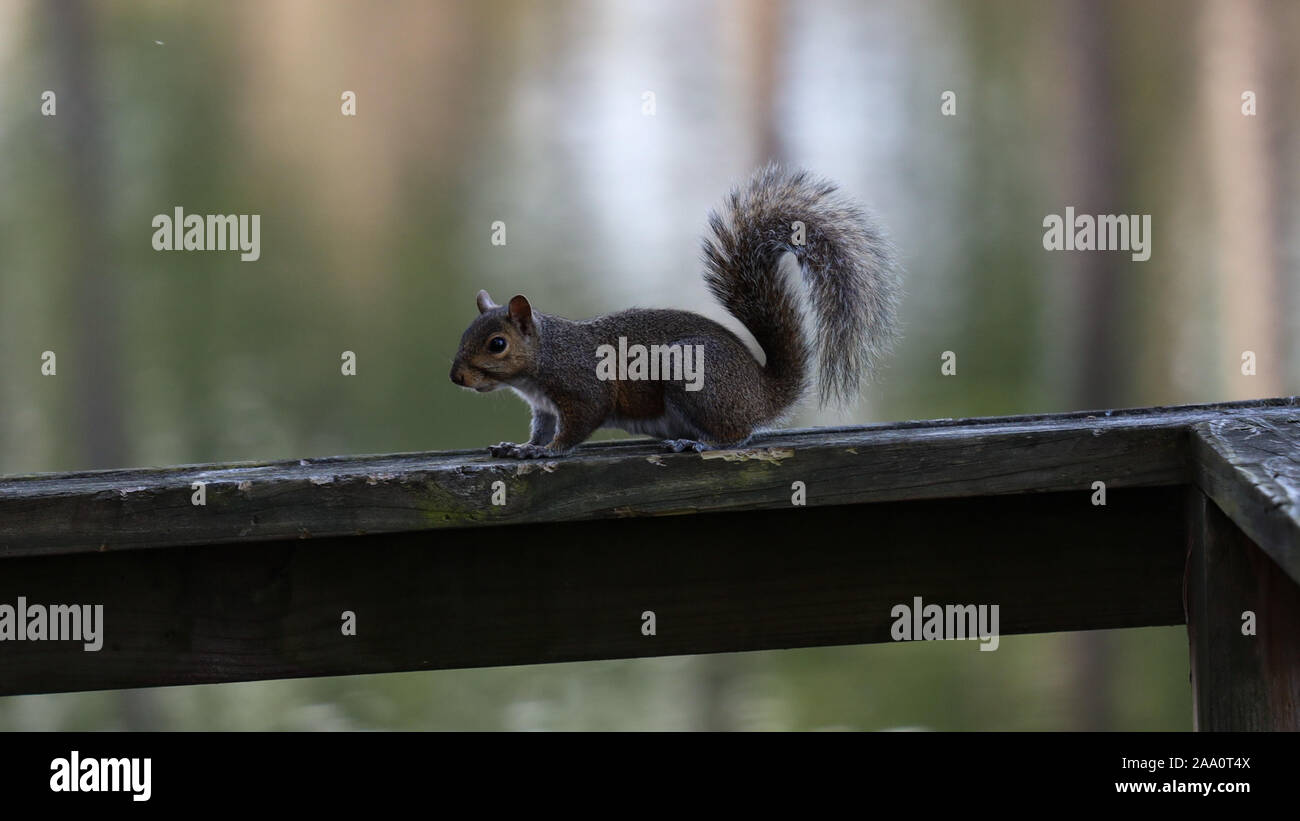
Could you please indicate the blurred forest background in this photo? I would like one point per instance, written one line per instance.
(376, 235)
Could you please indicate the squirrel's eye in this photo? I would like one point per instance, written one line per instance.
(496, 344)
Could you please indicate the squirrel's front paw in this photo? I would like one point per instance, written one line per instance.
(509, 450)
(505, 450)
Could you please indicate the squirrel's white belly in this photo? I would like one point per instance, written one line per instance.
(534, 396)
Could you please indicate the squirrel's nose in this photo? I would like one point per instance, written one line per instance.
(456, 377)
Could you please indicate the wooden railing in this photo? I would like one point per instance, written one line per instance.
(215, 573)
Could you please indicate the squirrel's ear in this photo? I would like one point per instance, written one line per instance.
(521, 313)
(485, 302)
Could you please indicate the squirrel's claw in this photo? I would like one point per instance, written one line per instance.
(509, 450)
(679, 445)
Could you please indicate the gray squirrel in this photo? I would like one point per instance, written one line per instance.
(853, 284)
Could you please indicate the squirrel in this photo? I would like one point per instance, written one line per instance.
(563, 368)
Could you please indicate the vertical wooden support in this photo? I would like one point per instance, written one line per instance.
(1240, 681)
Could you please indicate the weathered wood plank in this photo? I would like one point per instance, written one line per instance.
(1245, 674)
(576, 591)
(1250, 467)
(115, 510)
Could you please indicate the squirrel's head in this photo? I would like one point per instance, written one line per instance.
(498, 346)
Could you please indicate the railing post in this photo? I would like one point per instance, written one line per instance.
(1243, 627)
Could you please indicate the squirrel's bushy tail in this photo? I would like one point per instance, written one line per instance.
(852, 279)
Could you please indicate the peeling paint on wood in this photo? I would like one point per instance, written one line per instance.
(337, 496)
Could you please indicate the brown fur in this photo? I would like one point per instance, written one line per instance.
(853, 293)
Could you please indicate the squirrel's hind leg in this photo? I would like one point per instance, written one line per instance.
(679, 445)
(713, 406)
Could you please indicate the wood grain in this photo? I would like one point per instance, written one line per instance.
(979, 511)
(1250, 467)
(576, 591)
(314, 498)
(1242, 679)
